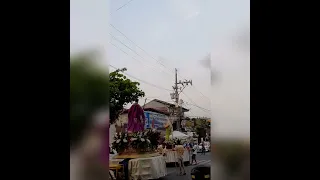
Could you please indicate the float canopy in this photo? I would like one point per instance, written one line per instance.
(179, 135)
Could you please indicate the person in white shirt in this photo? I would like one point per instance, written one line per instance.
(180, 152)
(194, 154)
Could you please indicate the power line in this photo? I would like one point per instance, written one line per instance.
(139, 47)
(134, 52)
(124, 5)
(143, 81)
(201, 93)
(197, 89)
(190, 111)
(127, 53)
(149, 54)
(201, 108)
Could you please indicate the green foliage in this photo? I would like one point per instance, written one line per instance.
(202, 123)
(122, 92)
(89, 89)
(154, 137)
(189, 124)
(201, 126)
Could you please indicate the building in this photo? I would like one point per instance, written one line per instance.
(154, 119)
(156, 108)
(168, 108)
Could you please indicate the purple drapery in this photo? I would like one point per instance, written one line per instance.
(136, 112)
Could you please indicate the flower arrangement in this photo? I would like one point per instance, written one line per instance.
(154, 136)
(121, 142)
(177, 141)
(168, 144)
(145, 141)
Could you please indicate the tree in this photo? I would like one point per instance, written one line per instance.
(189, 124)
(202, 125)
(122, 92)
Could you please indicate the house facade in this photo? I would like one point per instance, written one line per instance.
(168, 108)
(156, 112)
(153, 119)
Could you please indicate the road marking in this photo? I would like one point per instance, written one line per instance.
(199, 163)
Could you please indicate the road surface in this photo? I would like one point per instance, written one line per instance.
(172, 171)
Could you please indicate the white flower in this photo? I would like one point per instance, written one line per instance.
(145, 133)
(153, 130)
(142, 139)
(133, 139)
(118, 140)
(148, 140)
(124, 140)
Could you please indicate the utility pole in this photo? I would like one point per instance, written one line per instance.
(177, 90)
(144, 103)
(176, 87)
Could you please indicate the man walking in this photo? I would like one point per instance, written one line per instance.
(180, 152)
(194, 154)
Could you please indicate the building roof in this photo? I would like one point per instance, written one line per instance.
(150, 109)
(169, 104)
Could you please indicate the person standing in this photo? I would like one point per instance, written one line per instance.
(194, 154)
(180, 152)
(203, 152)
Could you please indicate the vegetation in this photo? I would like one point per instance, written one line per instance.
(122, 92)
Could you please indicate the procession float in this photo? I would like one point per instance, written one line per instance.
(138, 147)
(136, 142)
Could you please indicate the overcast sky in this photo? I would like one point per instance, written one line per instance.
(174, 34)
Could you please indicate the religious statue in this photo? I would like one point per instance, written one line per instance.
(169, 128)
(136, 118)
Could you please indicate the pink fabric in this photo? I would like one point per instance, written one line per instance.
(135, 123)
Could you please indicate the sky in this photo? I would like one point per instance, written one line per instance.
(167, 34)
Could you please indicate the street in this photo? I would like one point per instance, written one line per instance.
(173, 171)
